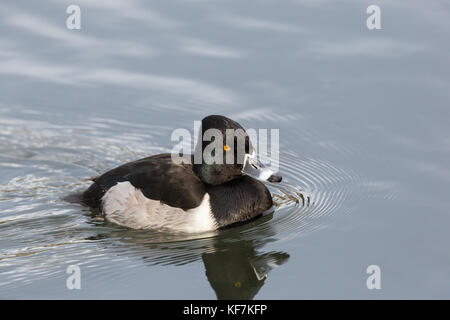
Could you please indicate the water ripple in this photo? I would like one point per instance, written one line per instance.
(41, 167)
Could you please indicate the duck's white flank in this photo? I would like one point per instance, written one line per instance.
(127, 206)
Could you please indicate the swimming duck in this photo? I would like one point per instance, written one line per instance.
(158, 193)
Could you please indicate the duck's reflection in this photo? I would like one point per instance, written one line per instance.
(239, 272)
(235, 263)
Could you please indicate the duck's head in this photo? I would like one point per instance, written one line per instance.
(224, 152)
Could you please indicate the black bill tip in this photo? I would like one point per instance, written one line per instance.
(275, 178)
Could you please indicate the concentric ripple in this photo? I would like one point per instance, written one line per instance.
(312, 189)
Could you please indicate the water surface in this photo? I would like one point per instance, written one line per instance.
(364, 145)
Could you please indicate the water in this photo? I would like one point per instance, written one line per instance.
(364, 145)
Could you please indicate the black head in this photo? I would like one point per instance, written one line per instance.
(224, 152)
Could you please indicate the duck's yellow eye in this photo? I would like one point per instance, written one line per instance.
(226, 148)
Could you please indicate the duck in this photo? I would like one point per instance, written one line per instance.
(189, 196)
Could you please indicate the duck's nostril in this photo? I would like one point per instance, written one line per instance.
(274, 178)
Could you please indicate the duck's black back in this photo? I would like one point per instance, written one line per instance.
(157, 177)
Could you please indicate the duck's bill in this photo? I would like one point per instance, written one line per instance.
(254, 168)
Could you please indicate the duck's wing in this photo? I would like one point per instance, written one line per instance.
(157, 177)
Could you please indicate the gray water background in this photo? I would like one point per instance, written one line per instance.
(364, 138)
